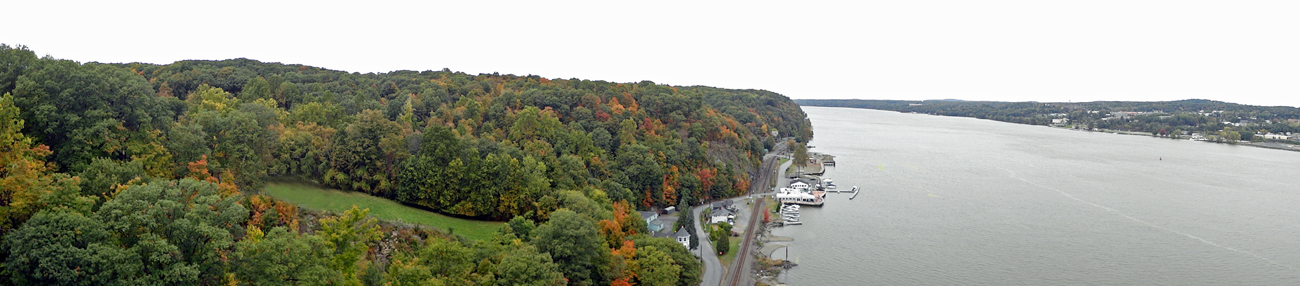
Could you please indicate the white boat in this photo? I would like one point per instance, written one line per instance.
(793, 223)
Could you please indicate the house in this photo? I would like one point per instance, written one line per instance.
(1274, 136)
(652, 221)
(722, 205)
(1060, 121)
(722, 215)
(684, 237)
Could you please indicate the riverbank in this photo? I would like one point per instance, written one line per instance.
(1266, 144)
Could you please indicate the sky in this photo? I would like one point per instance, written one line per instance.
(1049, 51)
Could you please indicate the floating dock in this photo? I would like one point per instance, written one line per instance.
(855, 192)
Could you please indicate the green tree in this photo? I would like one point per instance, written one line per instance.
(364, 157)
(800, 157)
(178, 228)
(26, 184)
(522, 227)
(527, 267)
(88, 111)
(281, 257)
(722, 244)
(690, 267)
(574, 243)
(447, 259)
(349, 236)
(256, 88)
(656, 268)
(67, 248)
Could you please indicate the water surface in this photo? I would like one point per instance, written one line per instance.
(961, 201)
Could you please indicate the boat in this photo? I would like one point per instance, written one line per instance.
(794, 223)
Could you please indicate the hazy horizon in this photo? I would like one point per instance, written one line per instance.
(1143, 50)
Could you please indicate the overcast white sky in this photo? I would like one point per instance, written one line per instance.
(1235, 51)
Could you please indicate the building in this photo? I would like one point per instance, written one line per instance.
(723, 205)
(1060, 121)
(796, 197)
(1273, 136)
(684, 237)
(722, 215)
(799, 185)
(652, 221)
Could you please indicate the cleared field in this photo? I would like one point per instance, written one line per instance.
(318, 198)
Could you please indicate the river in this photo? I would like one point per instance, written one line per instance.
(963, 201)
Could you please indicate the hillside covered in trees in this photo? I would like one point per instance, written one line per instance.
(152, 174)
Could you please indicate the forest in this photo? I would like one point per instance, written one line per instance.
(1163, 118)
(137, 173)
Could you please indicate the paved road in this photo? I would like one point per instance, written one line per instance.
(712, 267)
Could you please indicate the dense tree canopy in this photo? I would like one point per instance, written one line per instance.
(148, 174)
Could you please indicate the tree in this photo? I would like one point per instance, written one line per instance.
(256, 88)
(656, 268)
(800, 155)
(88, 111)
(26, 185)
(349, 235)
(67, 248)
(178, 228)
(281, 257)
(690, 267)
(571, 240)
(723, 244)
(364, 157)
(448, 260)
(525, 266)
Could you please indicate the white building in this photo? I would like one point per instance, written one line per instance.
(799, 186)
(722, 215)
(1273, 136)
(684, 237)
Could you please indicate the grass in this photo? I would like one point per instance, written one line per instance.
(317, 198)
(726, 259)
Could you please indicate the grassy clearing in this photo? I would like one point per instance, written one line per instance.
(318, 198)
(731, 255)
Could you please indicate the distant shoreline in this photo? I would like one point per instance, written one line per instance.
(1266, 145)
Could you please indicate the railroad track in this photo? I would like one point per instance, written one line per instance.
(759, 185)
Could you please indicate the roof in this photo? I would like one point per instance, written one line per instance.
(647, 215)
(682, 232)
(722, 212)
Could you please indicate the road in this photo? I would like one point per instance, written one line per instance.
(712, 267)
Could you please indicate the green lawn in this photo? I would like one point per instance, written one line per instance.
(731, 255)
(318, 198)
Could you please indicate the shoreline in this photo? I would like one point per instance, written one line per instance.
(1283, 147)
